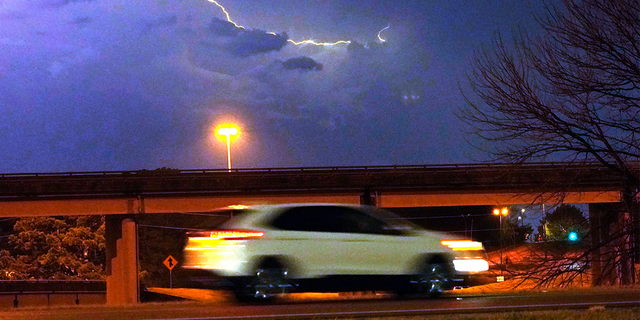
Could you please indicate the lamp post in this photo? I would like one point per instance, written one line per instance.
(500, 213)
(465, 224)
(228, 132)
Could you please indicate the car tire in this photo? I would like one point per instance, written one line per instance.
(433, 280)
(268, 281)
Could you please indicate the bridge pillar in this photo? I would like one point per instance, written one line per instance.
(612, 257)
(121, 233)
(368, 198)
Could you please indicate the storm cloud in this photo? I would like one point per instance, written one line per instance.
(98, 85)
(243, 42)
(252, 42)
(164, 21)
(224, 28)
(302, 63)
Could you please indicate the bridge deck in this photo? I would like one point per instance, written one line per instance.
(466, 178)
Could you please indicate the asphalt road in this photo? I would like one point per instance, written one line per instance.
(349, 308)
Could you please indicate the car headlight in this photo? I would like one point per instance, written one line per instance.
(468, 255)
(470, 265)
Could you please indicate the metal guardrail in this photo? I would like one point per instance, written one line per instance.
(20, 290)
(164, 171)
(52, 285)
(19, 295)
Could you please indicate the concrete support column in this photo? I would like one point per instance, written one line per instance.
(122, 259)
(603, 264)
(368, 198)
(594, 235)
(612, 244)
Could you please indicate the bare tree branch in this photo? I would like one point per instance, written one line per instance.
(572, 94)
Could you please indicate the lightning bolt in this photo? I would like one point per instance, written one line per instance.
(227, 14)
(380, 33)
(298, 43)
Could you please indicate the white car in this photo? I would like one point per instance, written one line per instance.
(267, 250)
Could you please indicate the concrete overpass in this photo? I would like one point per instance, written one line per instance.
(120, 195)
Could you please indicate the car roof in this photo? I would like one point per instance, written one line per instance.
(267, 211)
(304, 204)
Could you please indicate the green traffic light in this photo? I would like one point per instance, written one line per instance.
(573, 236)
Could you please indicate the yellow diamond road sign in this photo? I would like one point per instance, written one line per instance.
(170, 262)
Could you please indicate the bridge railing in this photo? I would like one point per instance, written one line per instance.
(499, 177)
(167, 171)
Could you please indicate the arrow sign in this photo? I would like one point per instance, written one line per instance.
(170, 262)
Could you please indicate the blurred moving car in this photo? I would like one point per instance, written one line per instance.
(267, 250)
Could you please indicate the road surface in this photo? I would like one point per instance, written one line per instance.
(363, 306)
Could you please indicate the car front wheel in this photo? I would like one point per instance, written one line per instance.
(434, 279)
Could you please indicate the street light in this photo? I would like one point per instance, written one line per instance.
(465, 224)
(501, 212)
(228, 131)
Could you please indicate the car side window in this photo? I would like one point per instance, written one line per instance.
(309, 218)
(328, 219)
(359, 222)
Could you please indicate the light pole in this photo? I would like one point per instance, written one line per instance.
(228, 132)
(501, 212)
(465, 224)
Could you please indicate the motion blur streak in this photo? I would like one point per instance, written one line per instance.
(298, 43)
(471, 265)
(462, 245)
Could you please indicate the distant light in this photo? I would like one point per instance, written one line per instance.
(504, 211)
(573, 236)
(228, 131)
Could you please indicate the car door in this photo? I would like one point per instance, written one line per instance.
(309, 235)
(370, 246)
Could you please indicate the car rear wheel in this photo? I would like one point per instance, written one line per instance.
(268, 281)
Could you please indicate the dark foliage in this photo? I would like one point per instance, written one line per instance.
(54, 248)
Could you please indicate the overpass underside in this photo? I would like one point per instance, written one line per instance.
(120, 196)
(179, 204)
(121, 230)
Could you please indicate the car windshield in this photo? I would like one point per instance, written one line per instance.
(222, 217)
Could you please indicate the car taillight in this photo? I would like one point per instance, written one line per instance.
(228, 234)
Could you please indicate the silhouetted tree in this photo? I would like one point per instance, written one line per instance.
(55, 248)
(559, 223)
(573, 94)
(518, 232)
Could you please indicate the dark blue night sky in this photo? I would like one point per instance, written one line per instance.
(92, 85)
